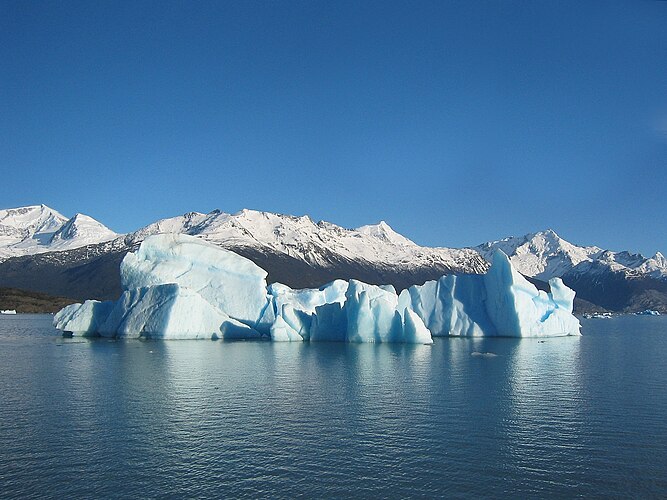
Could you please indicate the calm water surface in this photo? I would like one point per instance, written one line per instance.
(562, 417)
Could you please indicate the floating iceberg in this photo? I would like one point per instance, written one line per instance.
(224, 279)
(499, 303)
(452, 305)
(648, 312)
(167, 311)
(178, 286)
(83, 319)
(373, 315)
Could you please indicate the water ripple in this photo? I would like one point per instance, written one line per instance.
(569, 417)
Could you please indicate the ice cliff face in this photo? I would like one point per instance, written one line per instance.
(177, 286)
(222, 278)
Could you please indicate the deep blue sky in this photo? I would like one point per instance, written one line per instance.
(456, 122)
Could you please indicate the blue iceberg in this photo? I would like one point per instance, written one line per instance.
(181, 287)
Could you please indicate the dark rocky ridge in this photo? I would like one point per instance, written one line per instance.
(616, 290)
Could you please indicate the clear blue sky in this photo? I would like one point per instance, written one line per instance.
(456, 122)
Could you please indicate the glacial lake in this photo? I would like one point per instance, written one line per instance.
(144, 419)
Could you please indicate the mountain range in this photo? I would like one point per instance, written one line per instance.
(43, 251)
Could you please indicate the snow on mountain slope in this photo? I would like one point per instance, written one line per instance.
(656, 266)
(316, 243)
(545, 255)
(542, 255)
(383, 232)
(322, 245)
(83, 230)
(178, 224)
(38, 229)
(32, 230)
(16, 224)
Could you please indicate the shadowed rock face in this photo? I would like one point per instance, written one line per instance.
(90, 272)
(616, 291)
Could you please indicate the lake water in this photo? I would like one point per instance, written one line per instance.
(561, 417)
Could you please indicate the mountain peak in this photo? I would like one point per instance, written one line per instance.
(81, 217)
(542, 255)
(549, 236)
(550, 233)
(84, 229)
(31, 220)
(35, 229)
(656, 263)
(384, 231)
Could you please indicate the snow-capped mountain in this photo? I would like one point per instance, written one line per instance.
(617, 281)
(544, 255)
(83, 230)
(296, 251)
(319, 244)
(39, 229)
(382, 231)
(40, 250)
(38, 222)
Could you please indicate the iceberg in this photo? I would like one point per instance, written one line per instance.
(83, 319)
(230, 282)
(308, 299)
(499, 303)
(518, 309)
(329, 323)
(374, 315)
(162, 311)
(451, 306)
(182, 287)
(295, 309)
